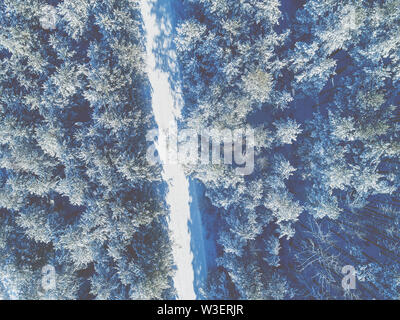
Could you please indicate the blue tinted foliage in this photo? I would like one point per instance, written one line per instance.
(318, 81)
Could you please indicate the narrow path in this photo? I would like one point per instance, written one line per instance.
(198, 242)
(167, 103)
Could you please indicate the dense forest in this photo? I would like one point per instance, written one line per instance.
(317, 81)
(76, 189)
(319, 84)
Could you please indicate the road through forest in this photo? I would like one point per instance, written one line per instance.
(184, 221)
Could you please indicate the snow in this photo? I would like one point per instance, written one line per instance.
(10, 291)
(167, 104)
(198, 242)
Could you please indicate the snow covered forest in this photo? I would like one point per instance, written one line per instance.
(81, 88)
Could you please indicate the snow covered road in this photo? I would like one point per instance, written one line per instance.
(167, 104)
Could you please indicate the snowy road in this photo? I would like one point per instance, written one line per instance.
(167, 104)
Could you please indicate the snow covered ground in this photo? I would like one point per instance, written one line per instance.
(184, 225)
(198, 244)
(10, 292)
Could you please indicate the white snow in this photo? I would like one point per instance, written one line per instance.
(7, 281)
(167, 104)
